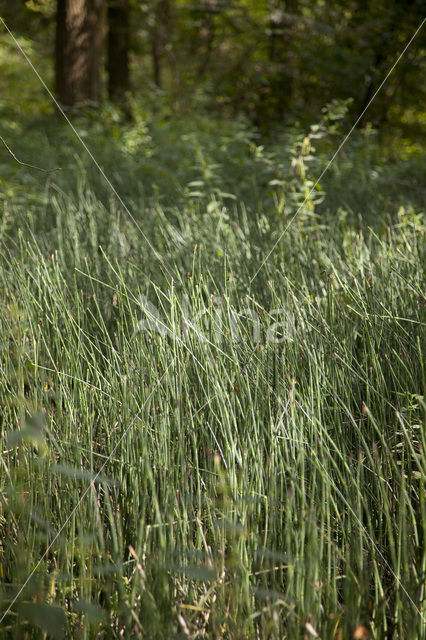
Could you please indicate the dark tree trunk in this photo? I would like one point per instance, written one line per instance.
(79, 40)
(118, 49)
(161, 23)
(156, 50)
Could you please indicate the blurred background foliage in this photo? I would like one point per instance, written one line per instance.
(213, 87)
(276, 62)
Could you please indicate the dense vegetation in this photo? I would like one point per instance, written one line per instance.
(211, 370)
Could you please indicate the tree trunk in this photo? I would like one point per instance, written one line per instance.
(79, 40)
(156, 51)
(159, 35)
(118, 49)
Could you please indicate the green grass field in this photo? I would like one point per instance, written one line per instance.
(192, 448)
